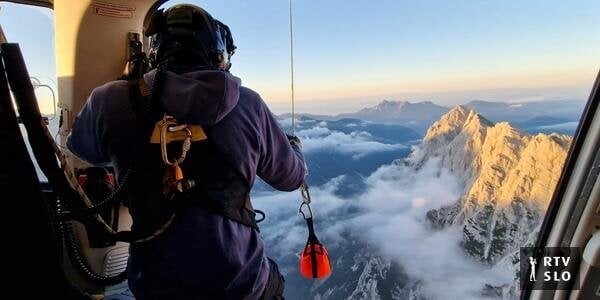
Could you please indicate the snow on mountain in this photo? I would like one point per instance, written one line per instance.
(418, 115)
(509, 177)
(445, 223)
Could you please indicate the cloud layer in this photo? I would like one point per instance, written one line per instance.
(389, 215)
(317, 136)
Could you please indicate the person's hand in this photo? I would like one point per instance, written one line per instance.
(294, 140)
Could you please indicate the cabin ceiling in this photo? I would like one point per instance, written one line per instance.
(43, 3)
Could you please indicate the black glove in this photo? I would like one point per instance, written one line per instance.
(295, 141)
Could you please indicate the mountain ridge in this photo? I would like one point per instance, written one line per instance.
(416, 115)
(508, 175)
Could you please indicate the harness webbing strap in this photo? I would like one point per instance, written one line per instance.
(217, 185)
(139, 92)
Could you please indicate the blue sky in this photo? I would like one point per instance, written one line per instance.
(362, 51)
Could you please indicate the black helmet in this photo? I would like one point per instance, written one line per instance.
(186, 35)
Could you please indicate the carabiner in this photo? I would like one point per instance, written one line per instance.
(308, 215)
(305, 193)
(305, 202)
(169, 124)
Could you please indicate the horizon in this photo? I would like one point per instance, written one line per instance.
(330, 107)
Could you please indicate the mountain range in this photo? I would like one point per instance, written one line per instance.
(538, 116)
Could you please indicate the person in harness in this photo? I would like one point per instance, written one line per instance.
(191, 140)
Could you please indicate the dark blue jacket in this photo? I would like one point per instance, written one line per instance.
(204, 249)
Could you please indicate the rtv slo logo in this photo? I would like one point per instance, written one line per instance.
(556, 263)
(549, 269)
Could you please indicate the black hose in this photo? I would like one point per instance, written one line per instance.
(68, 236)
(95, 208)
(79, 261)
(43, 149)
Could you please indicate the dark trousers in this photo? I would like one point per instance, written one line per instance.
(275, 283)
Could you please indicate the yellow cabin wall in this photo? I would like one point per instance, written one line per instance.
(90, 48)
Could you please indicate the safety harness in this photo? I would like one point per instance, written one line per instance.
(179, 166)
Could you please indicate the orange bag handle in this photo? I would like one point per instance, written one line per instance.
(314, 259)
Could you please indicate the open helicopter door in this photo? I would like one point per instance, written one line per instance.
(571, 227)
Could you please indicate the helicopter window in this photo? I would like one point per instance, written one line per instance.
(36, 41)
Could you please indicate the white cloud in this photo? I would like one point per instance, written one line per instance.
(392, 218)
(287, 122)
(316, 135)
(313, 132)
(356, 144)
(397, 202)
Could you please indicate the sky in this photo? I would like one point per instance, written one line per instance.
(349, 54)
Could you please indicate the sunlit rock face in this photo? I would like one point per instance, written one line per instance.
(509, 177)
(446, 222)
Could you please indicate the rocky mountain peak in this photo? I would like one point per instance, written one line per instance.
(456, 120)
(387, 106)
(508, 175)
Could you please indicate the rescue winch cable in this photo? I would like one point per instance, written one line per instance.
(314, 259)
(292, 70)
